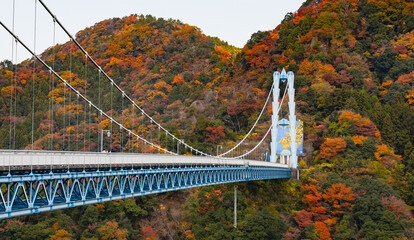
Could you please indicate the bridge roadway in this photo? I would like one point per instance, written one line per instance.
(18, 160)
(40, 181)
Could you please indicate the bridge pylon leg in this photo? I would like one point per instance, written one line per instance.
(275, 116)
(292, 121)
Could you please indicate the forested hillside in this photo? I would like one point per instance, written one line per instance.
(354, 78)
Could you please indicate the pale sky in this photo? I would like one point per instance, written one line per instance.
(233, 21)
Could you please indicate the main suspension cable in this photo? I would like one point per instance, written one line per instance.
(254, 125)
(278, 110)
(78, 93)
(124, 94)
(111, 80)
(133, 103)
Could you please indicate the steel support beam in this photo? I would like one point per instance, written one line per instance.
(35, 193)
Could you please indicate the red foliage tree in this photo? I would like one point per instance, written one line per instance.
(303, 219)
(215, 134)
(366, 129)
(400, 50)
(233, 109)
(248, 106)
(343, 78)
(330, 78)
(397, 206)
(148, 233)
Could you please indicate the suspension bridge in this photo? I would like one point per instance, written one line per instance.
(150, 160)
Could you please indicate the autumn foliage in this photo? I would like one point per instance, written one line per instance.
(303, 219)
(397, 206)
(339, 197)
(215, 134)
(322, 231)
(331, 148)
(325, 208)
(363, 126)
(111, 230)
(354, 82)
(147, 233)
(60, 234)
(359, 140)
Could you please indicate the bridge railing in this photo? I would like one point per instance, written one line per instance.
(27, 159)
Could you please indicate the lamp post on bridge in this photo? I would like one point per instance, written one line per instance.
(108, 133)
(221, 148)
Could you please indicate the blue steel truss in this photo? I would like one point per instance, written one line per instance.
(41, 192)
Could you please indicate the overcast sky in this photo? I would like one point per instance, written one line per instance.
(233, 21)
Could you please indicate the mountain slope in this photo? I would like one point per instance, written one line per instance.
(353, 63)
(164, 65)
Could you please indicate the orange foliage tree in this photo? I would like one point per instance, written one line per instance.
(406, 78)
(224, 55)
(331, 148)
(325, 208)
(387, 156)
(177, 80)
(383, 150)
(11, 90)
(359, 140)
(339, 197)
(312, 198)
(410, 96)
(322, 231)
(256, 56)
(60, 234)
(384, 87)
(363, 126)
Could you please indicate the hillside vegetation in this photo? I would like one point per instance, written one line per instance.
(354, 78)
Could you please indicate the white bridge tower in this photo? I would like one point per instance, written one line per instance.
(277, 77)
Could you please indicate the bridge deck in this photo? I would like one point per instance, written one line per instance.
(23, 160)
(100, 177)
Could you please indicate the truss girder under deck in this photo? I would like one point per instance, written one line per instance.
(34, 193)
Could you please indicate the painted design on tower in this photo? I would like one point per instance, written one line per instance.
(283, 137)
